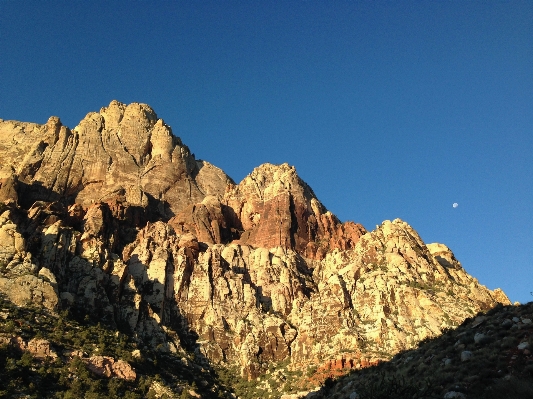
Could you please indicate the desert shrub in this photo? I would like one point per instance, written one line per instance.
(385, 387)
(507, 342)
(511, 389)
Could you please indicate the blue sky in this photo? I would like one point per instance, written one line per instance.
(387, 109)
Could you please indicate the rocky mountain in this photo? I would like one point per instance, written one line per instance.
(116, 221)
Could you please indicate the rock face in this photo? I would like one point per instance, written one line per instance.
(502, 333)
(116, 219)
(275, 207)
(20, 281)
(271, 207)
(122, 151)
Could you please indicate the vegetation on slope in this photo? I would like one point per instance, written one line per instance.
(498, 345)
(489, 356)
(159, 374)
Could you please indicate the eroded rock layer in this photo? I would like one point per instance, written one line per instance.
(117, 220)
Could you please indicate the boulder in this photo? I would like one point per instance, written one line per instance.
(105, 366)
(41, 349)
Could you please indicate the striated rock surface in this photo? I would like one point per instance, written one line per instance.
(115, 219)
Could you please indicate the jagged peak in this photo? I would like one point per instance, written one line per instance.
(395, 227)
(54, 121)
(268, 180)
(138, 116)
(140, 112)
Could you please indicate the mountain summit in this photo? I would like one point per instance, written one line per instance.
(115, 220)
(122, 152)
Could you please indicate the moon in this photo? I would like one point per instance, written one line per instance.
(455, 205)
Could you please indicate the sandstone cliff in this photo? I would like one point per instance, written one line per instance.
(116, 219)
(123, 152)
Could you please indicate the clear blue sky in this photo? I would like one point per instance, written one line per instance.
(387, 109)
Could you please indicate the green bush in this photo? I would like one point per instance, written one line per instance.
(21, 374)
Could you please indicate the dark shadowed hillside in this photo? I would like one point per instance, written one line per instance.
(487, 357)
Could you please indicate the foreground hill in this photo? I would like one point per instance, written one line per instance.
(487, 357)
(48, 355)
(115, 222)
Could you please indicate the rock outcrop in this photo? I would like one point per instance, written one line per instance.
(486, 356)
(105, 366)
(21, 280)
(37, 347)
(116, 219)
(124, 152)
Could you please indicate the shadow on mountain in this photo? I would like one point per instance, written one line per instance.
(28, 194)
(93, 295)
(487, 356)
(120, 221)
(72, 343)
